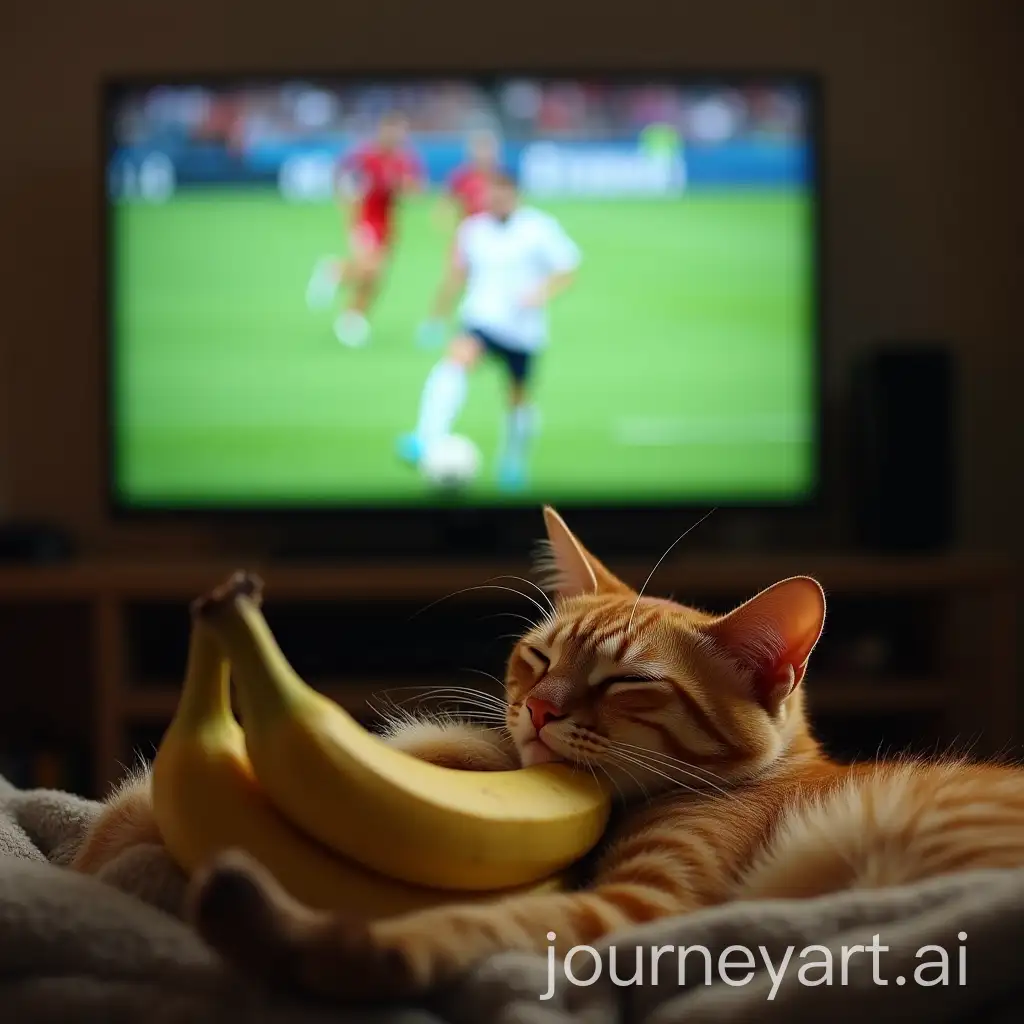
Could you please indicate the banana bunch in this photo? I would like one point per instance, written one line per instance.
(339, 817)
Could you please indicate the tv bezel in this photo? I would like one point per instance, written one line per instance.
(378, 528)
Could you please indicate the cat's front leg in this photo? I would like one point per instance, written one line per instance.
(241, 911)
(244, 914)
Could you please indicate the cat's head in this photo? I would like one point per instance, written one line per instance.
(652, 692)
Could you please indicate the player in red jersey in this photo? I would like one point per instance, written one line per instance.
(469, 183)
(371, 178)
(466, 194)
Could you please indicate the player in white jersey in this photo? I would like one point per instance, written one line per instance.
(510, 261)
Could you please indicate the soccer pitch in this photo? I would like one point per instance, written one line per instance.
(679, 368)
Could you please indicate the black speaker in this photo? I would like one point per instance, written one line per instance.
(33, 543)
(903, 448)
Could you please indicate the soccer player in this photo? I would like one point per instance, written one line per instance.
(375, 176)
(466, 196)
(510, 261)
(468, 184)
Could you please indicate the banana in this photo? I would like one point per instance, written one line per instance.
(392, 813)
(206, 799)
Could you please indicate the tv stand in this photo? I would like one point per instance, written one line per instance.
(510, 533)
(357, 628)
(456, 535)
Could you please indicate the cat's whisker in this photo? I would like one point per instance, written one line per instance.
(467, 692)
(640, 593)
(464, 700)
(476, 710)
(577, 761)
(666, 760)
(650, 766)
(486, 675)
(522, 579)
(653, 759)
(458, 715)
(614, 781)
(393, 718)
(482, 586)
(475, 716)
(509, 615)
(392, 715)
(467, 698)
(611, 778)
(464, 704)
(600, 750)
(670, 759)
(393, 711)
(385, 697)
(441, 716)
(620, 757)
(428, 688)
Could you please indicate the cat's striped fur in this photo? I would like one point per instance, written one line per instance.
(726, 795)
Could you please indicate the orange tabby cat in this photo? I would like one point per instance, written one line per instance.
(726, 795)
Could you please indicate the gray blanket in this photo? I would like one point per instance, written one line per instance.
(88, 950)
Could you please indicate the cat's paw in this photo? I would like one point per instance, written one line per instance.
(241, 911)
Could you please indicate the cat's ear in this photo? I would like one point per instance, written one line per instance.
(568, 568)
(772, 635)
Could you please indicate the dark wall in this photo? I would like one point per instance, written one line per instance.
(923, 209)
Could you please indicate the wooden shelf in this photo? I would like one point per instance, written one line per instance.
(182, 581)
(116, 594)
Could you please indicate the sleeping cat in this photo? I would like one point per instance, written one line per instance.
(724, 792)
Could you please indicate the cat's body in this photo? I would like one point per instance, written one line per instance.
(726, 795)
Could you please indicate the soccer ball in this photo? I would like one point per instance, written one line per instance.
(451, 461)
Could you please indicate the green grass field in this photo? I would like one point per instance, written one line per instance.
(678, 367)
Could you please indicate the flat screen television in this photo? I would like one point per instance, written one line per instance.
(408, 293)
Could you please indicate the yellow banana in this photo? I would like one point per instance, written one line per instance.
(392, 813)
(206, 799)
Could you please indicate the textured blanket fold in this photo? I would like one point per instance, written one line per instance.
(88, 950)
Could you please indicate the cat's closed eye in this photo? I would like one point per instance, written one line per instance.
(537, 659)
(611, 680)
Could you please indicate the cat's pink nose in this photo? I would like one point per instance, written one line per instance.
(542, 711)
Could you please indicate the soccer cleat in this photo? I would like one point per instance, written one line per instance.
(323, 284)
(352, 329)
(410, 449)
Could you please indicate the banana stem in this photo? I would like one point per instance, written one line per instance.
(206, 694)
(267, 683)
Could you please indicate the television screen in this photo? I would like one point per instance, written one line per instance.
(406, 292)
